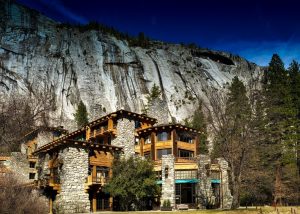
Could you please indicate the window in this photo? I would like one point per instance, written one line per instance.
(101, 172)
(161, 152)
(31, 164)
(158, 175)
(101, 141)
(31, 175)
(137, 141)
(185, 137)
(185, 174)
(147, 140)
(163, 136)
(185, 154)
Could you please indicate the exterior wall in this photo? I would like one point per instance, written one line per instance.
(168, 184)
(204, 186)
(43, 166)
(125, 136)
(19, 164)
(226, 197)
(74, 171)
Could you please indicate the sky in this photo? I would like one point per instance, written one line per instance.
(254, 29)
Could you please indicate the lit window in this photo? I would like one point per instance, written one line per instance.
(147, 140)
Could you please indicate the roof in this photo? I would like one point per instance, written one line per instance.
(69, 142)
(168, 126)
(120, 113)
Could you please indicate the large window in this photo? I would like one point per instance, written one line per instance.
(185, 174)
(185, 137)
(161, 152)
(185, 153)
(163, 136)
(101, 172)
(31, 164)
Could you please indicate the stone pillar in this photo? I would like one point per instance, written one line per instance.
(72, 197)
(125, 136)
(168, 179)
(226, 197)
(204, 190)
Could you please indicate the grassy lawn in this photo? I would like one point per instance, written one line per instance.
(250, 210)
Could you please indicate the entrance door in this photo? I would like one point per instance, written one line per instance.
(102, 201)
(186, 194)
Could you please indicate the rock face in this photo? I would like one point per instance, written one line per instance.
(107, 74)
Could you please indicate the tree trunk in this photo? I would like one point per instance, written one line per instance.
(236, 184)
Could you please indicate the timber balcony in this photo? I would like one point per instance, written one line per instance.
(50, 181)
(102, 131)
(95, 180)
(185, 160)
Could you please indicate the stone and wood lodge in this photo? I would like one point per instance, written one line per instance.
(71, 169)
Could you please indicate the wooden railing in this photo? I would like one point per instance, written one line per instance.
(185, 159)
(97, 180)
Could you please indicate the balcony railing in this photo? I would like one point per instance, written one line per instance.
(97, 180)
(185, 159)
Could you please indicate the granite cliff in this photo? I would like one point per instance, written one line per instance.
(105, 73)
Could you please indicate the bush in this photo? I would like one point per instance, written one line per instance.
(18, 198)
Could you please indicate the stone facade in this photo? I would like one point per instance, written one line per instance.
(19, 164)
(226, 197)
(204, 190)
(125, 136)
(43, 166)
(73, 173)
(168, 179)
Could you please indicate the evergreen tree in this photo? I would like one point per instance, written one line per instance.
(133, 182)
(233, 137)
(280, 122)
(199, 122)
(81, 115)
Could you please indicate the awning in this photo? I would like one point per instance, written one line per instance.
(190, 181)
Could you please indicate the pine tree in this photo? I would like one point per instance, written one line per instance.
(280, 122)
(233, 137)
(81, 115)
(199, 122)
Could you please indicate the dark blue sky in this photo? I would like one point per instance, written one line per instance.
(254, 29)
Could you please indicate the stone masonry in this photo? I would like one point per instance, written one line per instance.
(168, 179)
(73, 174)
(226, 197)
(125, 136)
(204, 190)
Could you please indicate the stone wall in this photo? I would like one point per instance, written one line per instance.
(168, 182)
(204, 190)
(73, 174)
(158, 109)
(125, 136)
(43, 166)
(226, 197)
(19, 164)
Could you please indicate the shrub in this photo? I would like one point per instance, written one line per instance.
(18, 199)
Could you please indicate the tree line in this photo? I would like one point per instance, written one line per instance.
(256, 130)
